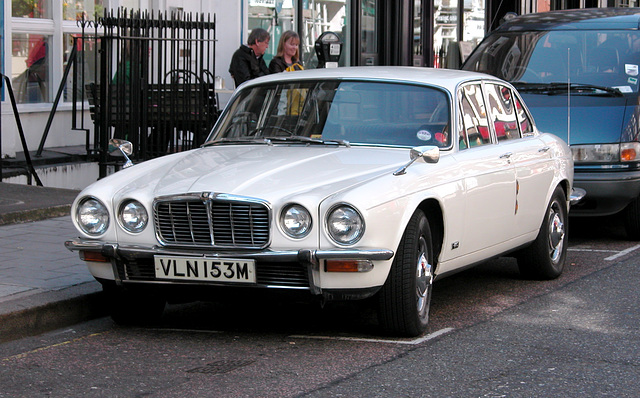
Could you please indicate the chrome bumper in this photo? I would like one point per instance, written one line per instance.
(307, 255)
(577, 194)
(307, 258)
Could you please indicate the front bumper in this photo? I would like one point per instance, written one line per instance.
(607, 192)
(134, 264)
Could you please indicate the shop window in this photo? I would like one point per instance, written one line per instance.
(445, 29)
(277, 16)
(473, 29)
(73, 10)
(84, 67)
(30, 62)
(319, 17)
(31, 8)
(273, 16)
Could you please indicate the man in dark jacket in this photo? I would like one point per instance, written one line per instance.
(247, 62)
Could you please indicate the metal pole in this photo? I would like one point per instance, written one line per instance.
(27, 156)
(63, 83)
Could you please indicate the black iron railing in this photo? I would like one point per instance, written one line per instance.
(154, 82)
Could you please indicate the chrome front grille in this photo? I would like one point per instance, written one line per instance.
(217, 221)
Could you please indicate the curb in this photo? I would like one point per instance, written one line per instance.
(24, 216)
(42, 312)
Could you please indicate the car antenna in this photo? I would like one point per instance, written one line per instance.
(568, 95)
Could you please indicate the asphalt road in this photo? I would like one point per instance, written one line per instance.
(491, 334)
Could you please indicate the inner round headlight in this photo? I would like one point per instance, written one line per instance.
(133, 216)
(92, 216)
(295, 221)
(345, 225)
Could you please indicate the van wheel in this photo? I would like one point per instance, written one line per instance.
(632, 219)
(546, 256)
(405, 298)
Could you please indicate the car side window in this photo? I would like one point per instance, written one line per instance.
(526, 127)
(503, 111)
(475, 127)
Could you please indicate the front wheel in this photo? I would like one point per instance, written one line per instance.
(546, 256)
(405, 298)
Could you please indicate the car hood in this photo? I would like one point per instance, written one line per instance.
(594, 120)
(269, 172)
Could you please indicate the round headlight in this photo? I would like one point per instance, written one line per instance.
(133, 216)
(295, 221)
(345, 225)
(92, 216)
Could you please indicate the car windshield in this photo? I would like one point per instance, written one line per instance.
(335, 112)
(587, 62)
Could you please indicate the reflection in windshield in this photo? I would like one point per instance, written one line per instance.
(330, 112)
(607, 59)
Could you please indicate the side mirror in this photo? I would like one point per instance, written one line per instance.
(124, 146)
(430, 154)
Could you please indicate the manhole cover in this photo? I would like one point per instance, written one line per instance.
(222, 366)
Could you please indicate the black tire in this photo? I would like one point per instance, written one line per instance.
(405, 298)
(546, 257)
(632, 219)
(129, 308)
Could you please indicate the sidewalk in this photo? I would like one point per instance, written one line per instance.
(43, 286)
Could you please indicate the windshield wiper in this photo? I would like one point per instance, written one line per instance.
(231, 141)
(558, 88)
(593, 89)
(309, 140)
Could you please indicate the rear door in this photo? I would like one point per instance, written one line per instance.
(531, 158)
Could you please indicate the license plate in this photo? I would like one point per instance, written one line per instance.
(205, 269)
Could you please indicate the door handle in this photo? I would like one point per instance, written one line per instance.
(506, 155)
(544, 149)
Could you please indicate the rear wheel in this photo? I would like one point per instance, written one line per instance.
(546, 256)
(405, 298)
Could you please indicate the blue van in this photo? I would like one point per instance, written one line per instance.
(579, 72)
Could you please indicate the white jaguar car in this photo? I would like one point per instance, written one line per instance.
(342, 184)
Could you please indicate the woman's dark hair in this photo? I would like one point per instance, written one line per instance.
(257, 35)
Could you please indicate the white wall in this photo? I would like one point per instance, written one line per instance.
(34, 122)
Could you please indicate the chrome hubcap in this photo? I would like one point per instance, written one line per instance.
(424, 279)
(556, 234)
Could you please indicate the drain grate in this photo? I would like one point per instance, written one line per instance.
(222, 366)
